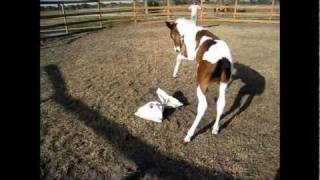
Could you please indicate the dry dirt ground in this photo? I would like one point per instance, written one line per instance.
(91, 85)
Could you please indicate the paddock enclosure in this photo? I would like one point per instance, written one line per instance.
(59, 17)
(92, 83)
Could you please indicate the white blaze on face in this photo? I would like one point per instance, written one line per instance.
(187, 29)
(177, 48)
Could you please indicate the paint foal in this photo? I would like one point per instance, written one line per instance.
(214, 63)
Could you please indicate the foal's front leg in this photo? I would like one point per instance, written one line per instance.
(178, 62)
(202, 106)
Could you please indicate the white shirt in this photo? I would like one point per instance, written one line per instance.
(194, 9)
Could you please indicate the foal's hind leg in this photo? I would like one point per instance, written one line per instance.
(202, 106)
(220, 106)
(203, 79)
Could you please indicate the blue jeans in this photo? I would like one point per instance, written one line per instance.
(194, 19)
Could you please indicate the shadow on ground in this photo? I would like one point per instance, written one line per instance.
(254, 84)
(277, 177)
(182, 98)
(210, 25)
(150, 162)
(49, 41)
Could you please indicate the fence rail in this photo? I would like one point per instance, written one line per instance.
(141, 13)
(68, 2)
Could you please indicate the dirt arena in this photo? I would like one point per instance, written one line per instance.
(91, 85)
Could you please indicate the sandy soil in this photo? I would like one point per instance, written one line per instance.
(91, 85)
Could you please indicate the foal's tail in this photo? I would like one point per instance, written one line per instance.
(224, 70)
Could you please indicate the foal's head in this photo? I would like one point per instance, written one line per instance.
(175, 35)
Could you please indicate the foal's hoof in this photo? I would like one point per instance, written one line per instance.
(215, 131)
(187, 139)
(185, 143)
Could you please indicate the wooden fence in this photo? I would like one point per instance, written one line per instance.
(135, 12)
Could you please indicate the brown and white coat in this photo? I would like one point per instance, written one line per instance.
(214, 64)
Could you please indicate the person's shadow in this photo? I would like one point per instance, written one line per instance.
(148, 160)
(254, 84)
(277, 177)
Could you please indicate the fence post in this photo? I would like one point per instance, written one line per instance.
(272, 6)
(168, 10)
(235, 10)
(64, 18)
(201, 11)
(134, 12)
(146, 6)
(100, 17)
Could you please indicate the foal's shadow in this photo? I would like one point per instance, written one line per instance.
(254, 84)
(183, 99)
